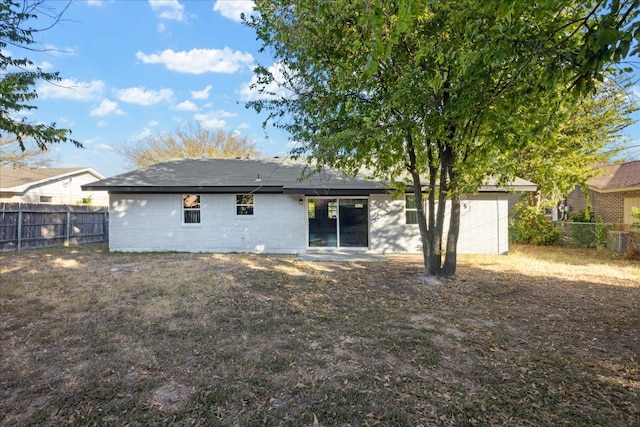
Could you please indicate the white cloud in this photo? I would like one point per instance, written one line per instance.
(141, 96)
(187, 106)
(273, 90)
(233, 8)
(71, 89)
(105, 108)
(213, 119)
(201, 94)
(161, 28)
(198, 61)
(146, 132)
(168, 9)
(153, 123)
(244, 125)
(45, 65)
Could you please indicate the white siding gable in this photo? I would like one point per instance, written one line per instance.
(62, 191)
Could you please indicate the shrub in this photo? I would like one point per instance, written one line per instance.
(582, 216)
(530, 225)
(601, 235)
(582, 234)
(633, 247)
(635, 214)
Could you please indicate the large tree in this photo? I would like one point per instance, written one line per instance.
(430, 90)
(18, 75)
(193, 142)
(27, 154)
(590, 133)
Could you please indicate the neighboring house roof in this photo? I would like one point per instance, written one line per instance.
(20, 180)
(616, 177)
(244, 175)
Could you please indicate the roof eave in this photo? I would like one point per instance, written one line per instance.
(320, 192)
(614, 189)
(129, 189)
(24, 188)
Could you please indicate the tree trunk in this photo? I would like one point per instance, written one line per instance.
(432, 268)
(451, 257)
(425, 237)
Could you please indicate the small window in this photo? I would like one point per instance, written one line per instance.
(191, 208)
(244, 204)
(46, 199)
(411, 212)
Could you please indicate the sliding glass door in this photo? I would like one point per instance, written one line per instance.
(338, 222)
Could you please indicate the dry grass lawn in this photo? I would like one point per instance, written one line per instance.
(540, 337)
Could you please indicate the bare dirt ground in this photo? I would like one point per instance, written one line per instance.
(544, 336)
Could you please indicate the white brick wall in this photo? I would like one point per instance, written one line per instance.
(153, 222)
(483, 226)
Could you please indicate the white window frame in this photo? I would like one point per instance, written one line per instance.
(244, 209)
(408, 209)
(191, 209)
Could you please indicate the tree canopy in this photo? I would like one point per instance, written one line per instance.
(11, 154)
(18, 75)
(590, 133)
(191, 142)
(433, 91)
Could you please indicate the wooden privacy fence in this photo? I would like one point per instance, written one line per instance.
(31, 225)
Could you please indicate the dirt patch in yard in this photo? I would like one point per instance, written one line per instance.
(542, 336)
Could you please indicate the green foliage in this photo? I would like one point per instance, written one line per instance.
(531, 225)
(582, 216)
(19, 75)
(635, 214)
(435, 95)
(581, 234)
(589, 132)
(601, 235)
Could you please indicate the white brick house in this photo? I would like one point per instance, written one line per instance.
(263, 206)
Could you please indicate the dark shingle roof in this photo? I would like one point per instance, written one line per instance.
(618, 176)
(252, 176)
(235, 175)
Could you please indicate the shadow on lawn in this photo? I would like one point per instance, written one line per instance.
(91, 337)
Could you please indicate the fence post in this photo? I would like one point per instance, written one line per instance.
(68, 231)
(105, 227)
(19, 228)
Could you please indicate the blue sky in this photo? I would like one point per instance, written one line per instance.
(136, 68)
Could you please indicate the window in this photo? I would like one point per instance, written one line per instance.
(191, 208)
(244, 204)
(46, 199)
(411, 212)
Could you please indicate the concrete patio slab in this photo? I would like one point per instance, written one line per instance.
(340, 256)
